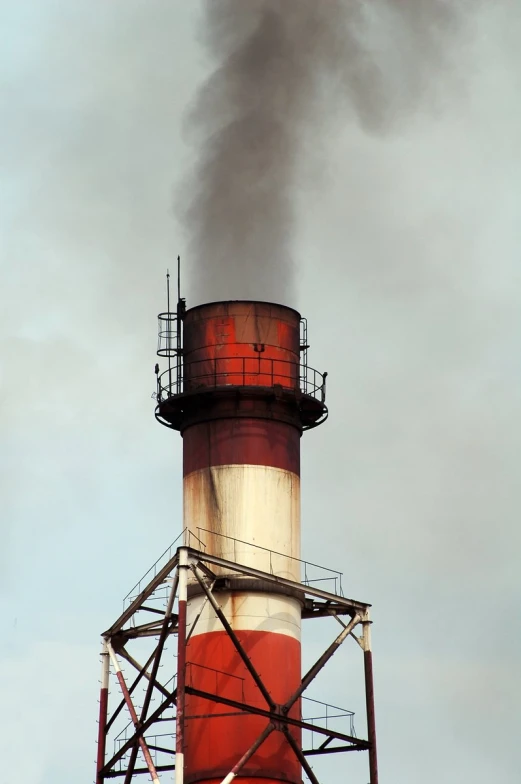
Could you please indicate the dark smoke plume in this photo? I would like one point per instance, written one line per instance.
(285, 67)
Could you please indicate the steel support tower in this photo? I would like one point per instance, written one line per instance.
(235, 591)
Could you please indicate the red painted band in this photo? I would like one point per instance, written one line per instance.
(216, 735)
(241, 344)
(181, 678)
(209, 329)
(241, 442)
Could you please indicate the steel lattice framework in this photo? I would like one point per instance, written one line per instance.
(162, 704)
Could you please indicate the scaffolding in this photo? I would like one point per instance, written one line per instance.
(154, 613)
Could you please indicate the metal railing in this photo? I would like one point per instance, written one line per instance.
(157, 745)
(310, 573)
(191, 541)
(198, 375)
(274, 561)
(329, 716)
(315, 712)
(217, 676)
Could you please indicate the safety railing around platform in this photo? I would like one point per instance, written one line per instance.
(241, 552)
(246, 371)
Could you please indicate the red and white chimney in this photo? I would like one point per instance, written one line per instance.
(241, 395)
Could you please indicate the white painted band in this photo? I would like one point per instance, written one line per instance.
(183, 575)
(367, 636)
(113, 657)
(105, 666)
(259, 612)
(179, 767)
(252, 512)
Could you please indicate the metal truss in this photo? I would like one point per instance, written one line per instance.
(153, 704)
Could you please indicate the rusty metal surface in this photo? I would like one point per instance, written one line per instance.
(242, 322)
(241, 441)
(233, 346)
(241, 343)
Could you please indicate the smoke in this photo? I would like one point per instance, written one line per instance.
(285, 70)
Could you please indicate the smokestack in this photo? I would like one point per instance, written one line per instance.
(239, 390)
(245, 400)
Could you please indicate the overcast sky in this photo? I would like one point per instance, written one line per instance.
(406, 253)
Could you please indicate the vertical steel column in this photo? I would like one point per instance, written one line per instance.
(103, 712)
(369, 700)
(181, 665)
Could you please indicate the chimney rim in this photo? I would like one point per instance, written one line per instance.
(244, 302)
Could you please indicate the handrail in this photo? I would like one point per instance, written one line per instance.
(152, 741)
(328, 713)
(167, 554)
(335, 574)
(136, 589)
(343, 711)
(185, 377)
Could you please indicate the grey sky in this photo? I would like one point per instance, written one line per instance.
(407, 266)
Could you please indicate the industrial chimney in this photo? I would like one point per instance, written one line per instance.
(244, 399)
(238, 388)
